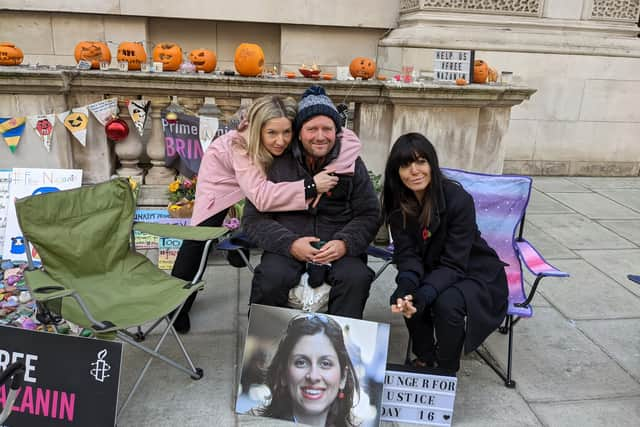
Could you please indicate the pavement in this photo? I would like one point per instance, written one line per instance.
(576, 361)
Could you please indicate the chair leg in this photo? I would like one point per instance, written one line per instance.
(510, 383)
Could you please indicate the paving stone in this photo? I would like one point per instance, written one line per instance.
(599, 183)
(589, 294)
(595, 206)
(628, 198)
(541, 203)
(616, 264)
(554, 361)
(619, 338)
(563, 185)
(627, 229)
(546, 244)
(578, 232)
(215, 306)
(610, 412)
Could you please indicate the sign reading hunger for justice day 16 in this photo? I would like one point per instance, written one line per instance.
(68, 381)
(418, 398)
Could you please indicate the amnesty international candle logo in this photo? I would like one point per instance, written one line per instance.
(101, 367)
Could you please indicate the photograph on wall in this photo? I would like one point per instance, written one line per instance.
(312, 368)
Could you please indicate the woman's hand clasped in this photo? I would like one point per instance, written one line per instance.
(325, 180)
(404, 306)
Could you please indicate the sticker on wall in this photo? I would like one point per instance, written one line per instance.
(76, 122)
(11, 129)
(139, 111)
(43, 125)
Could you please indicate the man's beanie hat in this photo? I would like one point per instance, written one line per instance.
(315, 102)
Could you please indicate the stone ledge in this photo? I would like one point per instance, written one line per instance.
(571, 168)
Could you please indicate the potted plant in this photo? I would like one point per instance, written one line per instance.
(382, 237)
(182, 192)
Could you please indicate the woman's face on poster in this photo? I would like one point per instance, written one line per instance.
(314, 377)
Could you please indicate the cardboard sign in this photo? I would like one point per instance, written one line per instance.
(418, 398)
(68, 381)
(449, 65)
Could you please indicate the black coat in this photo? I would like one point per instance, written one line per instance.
(349, 212)
(452, 252)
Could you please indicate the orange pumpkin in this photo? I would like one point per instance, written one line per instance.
(480, 71)
(364, 68)
(133, 53)
(10, 54)
(203, 59)
(461, 82)
(170, 54)
(249, 60)
(92, 51)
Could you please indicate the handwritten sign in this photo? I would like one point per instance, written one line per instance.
(449, 65)
(418, 398)
(68, 381)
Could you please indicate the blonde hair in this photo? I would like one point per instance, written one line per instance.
(262, 110)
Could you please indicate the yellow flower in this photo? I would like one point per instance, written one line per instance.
(174, 207)
(173, 187)
(133, 184)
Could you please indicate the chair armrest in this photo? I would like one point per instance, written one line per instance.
(385, 254)
(535, 262)
(43, 287)
(180, 231)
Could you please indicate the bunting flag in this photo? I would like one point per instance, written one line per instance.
(208, 130)
(139, 111)
(11, 128)
(76, 122)
(43, 125)
(104, 110)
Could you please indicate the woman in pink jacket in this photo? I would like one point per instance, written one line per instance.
(234, 166)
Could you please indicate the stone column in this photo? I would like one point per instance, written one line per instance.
(158, 173)
(129, 149)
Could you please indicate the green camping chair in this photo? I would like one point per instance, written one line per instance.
(92, 275)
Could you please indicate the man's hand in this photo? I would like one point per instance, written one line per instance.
(404, 306)
(325, 180)
(302, 250)
(331, 251)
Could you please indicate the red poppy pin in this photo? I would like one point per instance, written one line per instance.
(425, 233)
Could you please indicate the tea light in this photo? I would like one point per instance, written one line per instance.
(123, 66)
(104, 65)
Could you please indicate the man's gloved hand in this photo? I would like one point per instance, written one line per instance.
(424, 297)
(405, 287)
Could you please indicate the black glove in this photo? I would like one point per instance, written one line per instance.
(424, 297)
(317, 274)
(405, 287)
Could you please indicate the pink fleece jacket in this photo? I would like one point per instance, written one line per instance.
(227, 175)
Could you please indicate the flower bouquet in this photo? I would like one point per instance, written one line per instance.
(182, 192)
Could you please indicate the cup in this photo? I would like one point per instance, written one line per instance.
(104, 65)
(123, 66)
(506, 77)
(342, 73)
(157, 67)
(407, 73)
(145, 67)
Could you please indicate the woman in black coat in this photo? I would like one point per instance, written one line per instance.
(448, 277)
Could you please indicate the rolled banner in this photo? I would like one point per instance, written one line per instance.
(11, 128)
(76, 122)
(139, 111)
(43, 125)
(208, 131)
(104, 110)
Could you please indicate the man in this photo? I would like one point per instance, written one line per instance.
(336, 228)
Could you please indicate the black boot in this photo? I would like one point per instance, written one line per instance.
(182, 324)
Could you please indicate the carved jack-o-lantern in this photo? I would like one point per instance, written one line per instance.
(480, 71)
(10, 54)
(249, 60)
(133, 53)
(362, 67)
(170, 54)
(76, 121)
(92, 51)
(203, 59)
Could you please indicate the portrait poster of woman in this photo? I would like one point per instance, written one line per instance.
(312, 368)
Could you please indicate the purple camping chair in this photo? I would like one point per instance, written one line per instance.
(500, 202)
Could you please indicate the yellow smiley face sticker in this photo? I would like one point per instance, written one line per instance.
(76, 121)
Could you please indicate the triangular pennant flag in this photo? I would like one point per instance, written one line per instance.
(43, 125)
(76, 122)
(139, 111)
(208, 130)
(11, 128)
(104, 110)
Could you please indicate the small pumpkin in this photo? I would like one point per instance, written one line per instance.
(92, 51)
(204, 59)
(480, 71)
(249, 60)
(461, 82)
(170, 54)
(133, 53)
(362, 67)
(10, 54)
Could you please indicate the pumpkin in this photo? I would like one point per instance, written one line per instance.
(249, 60)
(480, 71)
(364, 68)
(92, 51)
(10, 54)
(204, 60)
(133, 53)
(170, 54)
(461, 82)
